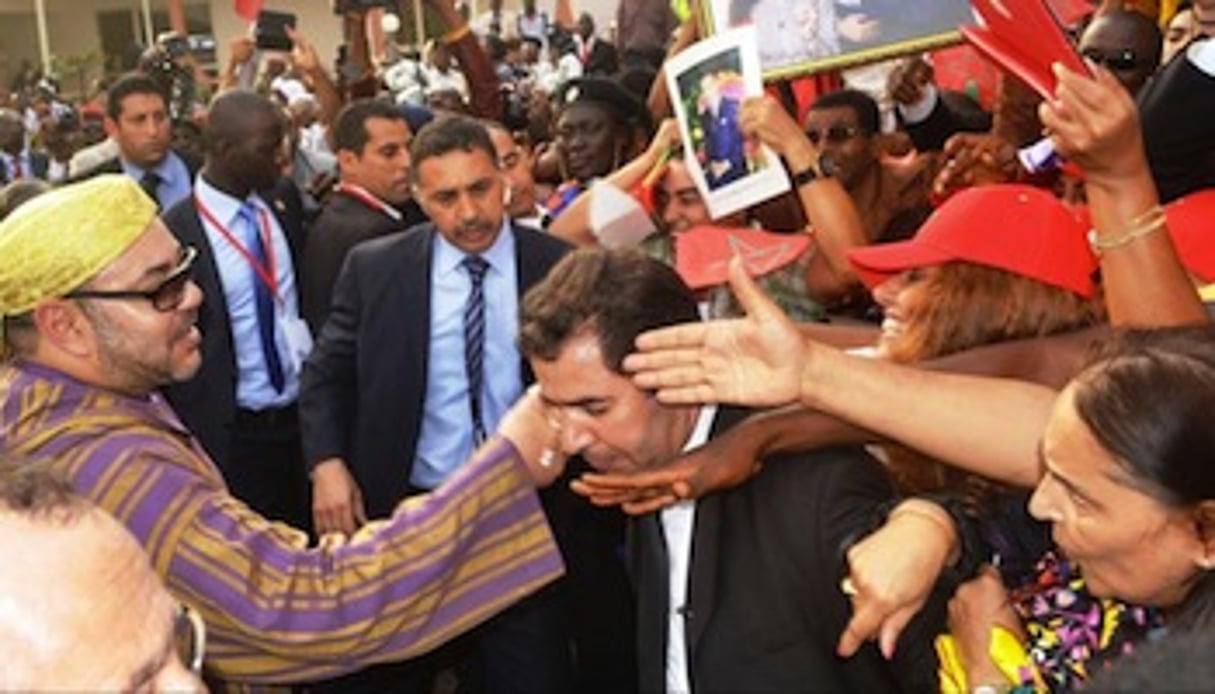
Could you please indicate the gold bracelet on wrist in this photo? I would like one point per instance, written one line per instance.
(1147, 223)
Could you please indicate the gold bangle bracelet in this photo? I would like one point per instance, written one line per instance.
(1147, 223)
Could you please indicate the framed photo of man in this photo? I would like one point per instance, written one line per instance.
(708, 83)
(806, 36)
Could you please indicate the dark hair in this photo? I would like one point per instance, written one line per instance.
(618, 294)
(128, 84)
(863, 105)
(350, 128)
(232, 116)
(447, 134)
(1147, 399)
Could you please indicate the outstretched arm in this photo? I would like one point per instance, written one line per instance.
(761, 360)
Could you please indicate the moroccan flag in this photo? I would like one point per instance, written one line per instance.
(248, 9)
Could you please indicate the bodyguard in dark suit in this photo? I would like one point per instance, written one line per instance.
(245, 220)
(372, 199)
(137, 119)
(414, 366)
(738, 592)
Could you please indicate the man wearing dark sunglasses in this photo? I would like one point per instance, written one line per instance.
(98, 313)
(889, 195)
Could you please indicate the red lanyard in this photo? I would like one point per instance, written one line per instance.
(360, 193)
(266, 272)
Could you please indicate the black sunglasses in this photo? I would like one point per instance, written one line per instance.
(165, 297)
(1122, 60)
(836, 134)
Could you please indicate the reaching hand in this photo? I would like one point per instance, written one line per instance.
(978, 606)
(756, 360)
(891, 574)
(536, 435)
(764, 119)
(725, 461)
(303, 54)
(1093, 122)
(975, 159)
(337, 502)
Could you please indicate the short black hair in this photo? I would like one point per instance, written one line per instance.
(868, 118)
(128, 84)
(613, 294)
(451, 133)
(350, 129)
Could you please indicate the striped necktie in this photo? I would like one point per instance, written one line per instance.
(474, 341)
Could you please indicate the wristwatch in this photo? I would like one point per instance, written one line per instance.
(813, 172)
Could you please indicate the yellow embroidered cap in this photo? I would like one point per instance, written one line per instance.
(59, 240)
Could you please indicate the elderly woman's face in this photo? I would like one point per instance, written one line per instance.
(1128, 544)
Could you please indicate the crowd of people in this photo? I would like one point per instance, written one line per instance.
(447, 379)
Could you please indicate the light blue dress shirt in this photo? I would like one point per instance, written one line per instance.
(174, 178)
(446, 440)
(236, 274)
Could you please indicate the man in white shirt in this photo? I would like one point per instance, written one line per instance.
(738, 591)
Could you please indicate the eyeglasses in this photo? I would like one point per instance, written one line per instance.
(835, 135)
(165, 297)
(189, 637)
(1122, 60)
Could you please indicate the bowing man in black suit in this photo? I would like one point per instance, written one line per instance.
(245, 219)
(739, 591)
(416, 364)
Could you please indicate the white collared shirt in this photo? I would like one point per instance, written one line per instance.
(678, 523)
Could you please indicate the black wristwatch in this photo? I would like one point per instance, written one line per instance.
(813, 172)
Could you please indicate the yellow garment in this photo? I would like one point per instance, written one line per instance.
(59, 240)
(1207, 293)
(1006, 652)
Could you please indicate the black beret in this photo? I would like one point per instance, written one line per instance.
(601, 91)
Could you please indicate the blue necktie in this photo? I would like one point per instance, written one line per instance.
(263, 297)
(474, 341)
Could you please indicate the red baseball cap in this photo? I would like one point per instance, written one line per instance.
(1192, 226)
(1021, 229)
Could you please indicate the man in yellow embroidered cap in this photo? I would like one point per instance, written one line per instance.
(98, 310)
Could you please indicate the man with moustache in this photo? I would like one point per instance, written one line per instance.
(246, 221)
(416, 363)
(372, 198)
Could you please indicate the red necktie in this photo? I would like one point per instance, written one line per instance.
(17, 172)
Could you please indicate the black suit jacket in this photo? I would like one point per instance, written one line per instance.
(343, 224)
(40, 164)
(764, 609)
(363, 388)
(207, 402)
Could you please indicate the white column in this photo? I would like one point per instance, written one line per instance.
(44, 42)
(148, 30)
(419, 23)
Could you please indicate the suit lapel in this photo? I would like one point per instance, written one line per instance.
(408, 305)
(706, 551)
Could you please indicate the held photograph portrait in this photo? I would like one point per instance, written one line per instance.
(708, 83)
(805, 36)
